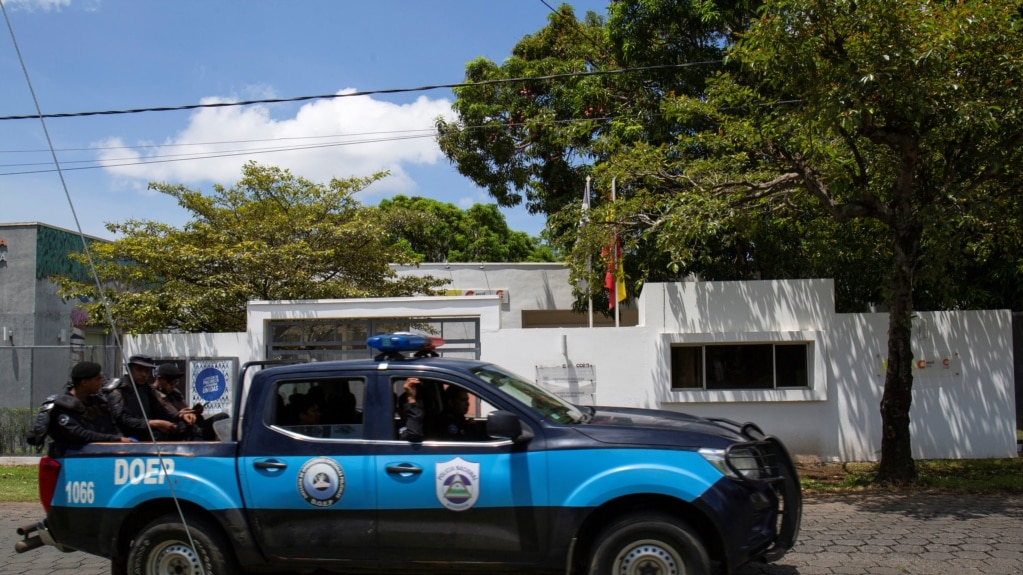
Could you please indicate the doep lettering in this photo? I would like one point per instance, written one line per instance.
(136, 471)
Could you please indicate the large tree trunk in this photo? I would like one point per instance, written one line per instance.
(897, 465)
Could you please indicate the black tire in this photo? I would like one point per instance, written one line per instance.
(649, 544)
(163, 548)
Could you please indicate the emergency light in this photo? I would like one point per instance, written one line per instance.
(404, 341)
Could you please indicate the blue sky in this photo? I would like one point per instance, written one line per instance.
(94, 55)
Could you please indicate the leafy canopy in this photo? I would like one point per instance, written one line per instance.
(271, 236)
(441, 232)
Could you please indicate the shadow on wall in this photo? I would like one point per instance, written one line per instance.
(962, 411)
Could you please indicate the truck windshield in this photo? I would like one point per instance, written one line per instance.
(541, 400)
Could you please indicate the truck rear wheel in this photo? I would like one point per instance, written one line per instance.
(649, 544)
(163, 548)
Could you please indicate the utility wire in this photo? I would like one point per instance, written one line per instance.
(165, 158)
(579, 29)
(430, 131)
(159, 158)
(99, 286)
(367, 92)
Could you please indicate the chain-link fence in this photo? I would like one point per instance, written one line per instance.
(28, 374)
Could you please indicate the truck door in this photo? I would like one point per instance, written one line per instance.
(459, 495)
(306, 470)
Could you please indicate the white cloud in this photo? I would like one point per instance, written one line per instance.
(342, 137)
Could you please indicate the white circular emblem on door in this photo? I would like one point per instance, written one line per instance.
(321, 482)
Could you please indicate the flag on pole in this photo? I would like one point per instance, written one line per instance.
(614, 279)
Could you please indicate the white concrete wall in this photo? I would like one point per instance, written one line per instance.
(953, 416)
(194, 346)
(964, 411)
(529, 286)
(251, 345)
(967, 410)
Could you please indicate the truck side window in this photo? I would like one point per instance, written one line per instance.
(462, 416)
(450, 412)
(325, 408)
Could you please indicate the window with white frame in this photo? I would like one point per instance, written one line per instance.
(736, 366)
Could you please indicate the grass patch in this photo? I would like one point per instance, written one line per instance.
(19, 483)
(957, 475)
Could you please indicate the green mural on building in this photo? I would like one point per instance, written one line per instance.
(52, 249)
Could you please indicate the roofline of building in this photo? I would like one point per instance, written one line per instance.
(52, 227)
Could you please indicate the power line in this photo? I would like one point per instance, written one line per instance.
(183, 144)
(166, 158)
(365, 93)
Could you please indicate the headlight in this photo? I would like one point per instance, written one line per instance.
(742, 462)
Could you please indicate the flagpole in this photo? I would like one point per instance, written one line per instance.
(589, 258)
(615, 254)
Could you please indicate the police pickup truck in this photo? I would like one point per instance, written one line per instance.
(313, 476)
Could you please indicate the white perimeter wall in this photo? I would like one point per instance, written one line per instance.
(965, 411)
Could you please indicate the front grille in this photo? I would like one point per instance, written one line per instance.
(764, 459)
(757, 460)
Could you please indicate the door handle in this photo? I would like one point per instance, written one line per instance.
(404, 468)
(272, 464)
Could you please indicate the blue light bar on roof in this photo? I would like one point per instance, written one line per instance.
(404, 342)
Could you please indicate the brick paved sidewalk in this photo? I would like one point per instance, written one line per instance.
(906, 534)
(873, 534)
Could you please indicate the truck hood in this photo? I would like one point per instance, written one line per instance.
(618, 425)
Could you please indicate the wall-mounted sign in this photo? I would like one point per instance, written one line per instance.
(211, 382)
(502, 293)
(575, 383)
(945, 364)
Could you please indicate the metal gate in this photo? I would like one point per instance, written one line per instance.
(333, 339)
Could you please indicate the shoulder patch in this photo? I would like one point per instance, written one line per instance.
(63, 419)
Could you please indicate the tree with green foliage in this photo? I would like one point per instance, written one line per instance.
(874, 141)
(441, 232)
(905, 115)
(271, 236)
(536, 141)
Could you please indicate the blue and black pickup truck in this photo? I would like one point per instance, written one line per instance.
(312, 474)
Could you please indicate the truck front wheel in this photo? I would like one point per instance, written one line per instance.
(163, 548)
(649, 544)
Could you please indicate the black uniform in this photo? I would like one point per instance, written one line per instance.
(457, 427)
(126, 407)
(412, 419)
(202, 429)
(77, 422)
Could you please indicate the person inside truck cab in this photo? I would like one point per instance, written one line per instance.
(452, 424)
(306, 409)
(411, 411)
(128, 408)
(82, 415)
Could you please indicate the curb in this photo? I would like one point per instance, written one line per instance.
(20, 460)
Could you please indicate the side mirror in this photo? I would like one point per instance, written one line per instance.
(507, 425)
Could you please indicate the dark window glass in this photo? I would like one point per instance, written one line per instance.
(739, 367)
(790, 360)
(327, 409)
(687, 367)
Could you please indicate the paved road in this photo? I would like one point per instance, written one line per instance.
(875, 534)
